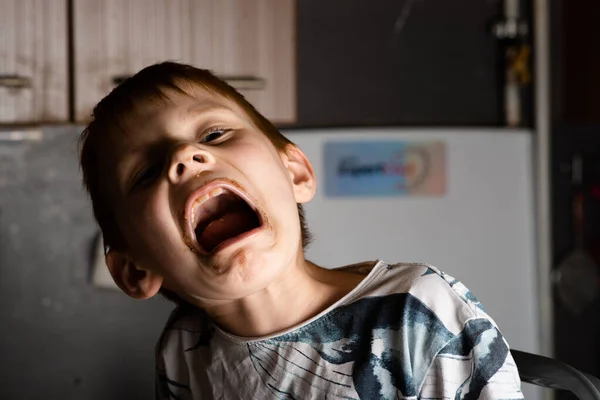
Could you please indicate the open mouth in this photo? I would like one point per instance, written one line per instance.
(221, 217)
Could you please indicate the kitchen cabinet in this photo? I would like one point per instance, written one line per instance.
(33, 61)
(251, 43)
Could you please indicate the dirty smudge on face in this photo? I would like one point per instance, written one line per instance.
(241, 257)
(217, 268)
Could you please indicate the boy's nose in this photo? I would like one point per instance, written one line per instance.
(187, 158)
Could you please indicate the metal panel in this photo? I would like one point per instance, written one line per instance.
(62, 338)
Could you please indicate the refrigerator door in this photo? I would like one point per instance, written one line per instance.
(480, 230)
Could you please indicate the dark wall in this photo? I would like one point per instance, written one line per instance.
(356, 67)
(575, 52)
(581, 55)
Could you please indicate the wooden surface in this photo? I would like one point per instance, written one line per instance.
(33, 47)
(231, 37)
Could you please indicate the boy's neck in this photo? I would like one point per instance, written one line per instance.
(303, 292)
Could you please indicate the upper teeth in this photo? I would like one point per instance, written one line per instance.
(202, 199)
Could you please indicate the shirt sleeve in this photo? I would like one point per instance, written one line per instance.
(171, 388)
(475, 364)
(171, 377)
(161, 386)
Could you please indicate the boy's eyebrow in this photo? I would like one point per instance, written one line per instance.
(206, 109)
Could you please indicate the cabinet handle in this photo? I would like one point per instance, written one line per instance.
(238, 82)
(14, 81)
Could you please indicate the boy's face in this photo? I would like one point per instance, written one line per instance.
(206, 204)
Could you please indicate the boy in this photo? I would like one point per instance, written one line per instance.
(199, 198)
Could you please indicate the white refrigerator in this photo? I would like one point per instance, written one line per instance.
(459, 199)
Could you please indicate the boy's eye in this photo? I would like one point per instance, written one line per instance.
(146, 176)
(213, 135)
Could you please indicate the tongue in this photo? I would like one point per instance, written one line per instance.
(229, 225)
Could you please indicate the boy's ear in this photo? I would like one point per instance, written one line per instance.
(301, 173)
(135, 281)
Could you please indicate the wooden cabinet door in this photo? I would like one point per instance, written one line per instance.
(33, 61)
(249, 39)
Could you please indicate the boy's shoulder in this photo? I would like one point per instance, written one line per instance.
(423, 281)
(417, 290)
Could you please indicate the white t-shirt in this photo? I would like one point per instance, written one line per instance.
(407, 331)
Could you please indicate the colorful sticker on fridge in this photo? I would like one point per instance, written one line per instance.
(385, 168)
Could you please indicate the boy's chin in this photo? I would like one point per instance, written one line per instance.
(243, 263)
(245, 272)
